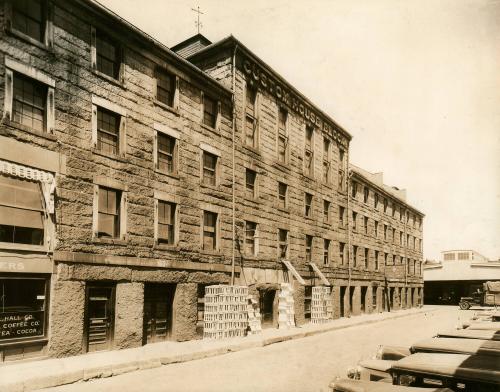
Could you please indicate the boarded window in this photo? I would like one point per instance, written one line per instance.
(21, 212)
(250, 235)
(166, 222)
(28, 18)
(108, 131)
(209, 230)
(108, 55)
(209, 111)
(166, 150)
(165, 87)
(109, 213)
(29, 103)
(209, 168)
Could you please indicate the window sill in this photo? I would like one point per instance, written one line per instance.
(168, 108)
(175, 176)
(209, 128)
(33, 248)
(24, 128)
(19, 34)
(215, 187)
(166, 247)
(309, 176)
(116, 82)
(211, 252)
(255, 150)
(254, 199)
(285, 210)
(110, 156)
(110, 241)
(24, 341)
(281, 165)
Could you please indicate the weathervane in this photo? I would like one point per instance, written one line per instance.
(197, 23)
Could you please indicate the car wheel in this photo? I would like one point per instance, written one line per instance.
(464, 305)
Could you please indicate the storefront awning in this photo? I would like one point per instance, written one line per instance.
(294, 272)
(320, 274)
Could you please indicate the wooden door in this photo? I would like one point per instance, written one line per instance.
(100, 317)
(158, 311)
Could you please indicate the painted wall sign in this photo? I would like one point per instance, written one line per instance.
(15, 325)
(260, 78)
(15, 264)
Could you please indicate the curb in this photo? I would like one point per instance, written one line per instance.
(62, 376)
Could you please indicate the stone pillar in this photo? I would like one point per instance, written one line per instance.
(408, 298)
(336, 301)
(402, 298)
(369, 300)
(66, 321)
(129, 315)
(356, 301)
(185, 312)
(299, 292)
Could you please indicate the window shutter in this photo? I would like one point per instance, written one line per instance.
(9, 86)
(50, 110)
(123, 136)
(123, 216)
(94, 126)
(155, 220)
(95, 212)
(93, 51)
(177, 93)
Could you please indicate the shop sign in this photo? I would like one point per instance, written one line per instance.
(15, 325)
(39, 265)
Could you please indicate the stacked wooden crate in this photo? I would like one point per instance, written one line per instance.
(226, 314)
(286, 310)
(254, 321)
(321, 305)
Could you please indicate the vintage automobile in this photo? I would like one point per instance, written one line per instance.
(392, 353)
(470, 334)
(457, 346)
(459, 372)
(489, 296)
(485, 325)
(372, 370)
(346, 385)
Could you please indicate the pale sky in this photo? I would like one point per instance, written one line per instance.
(416, 82)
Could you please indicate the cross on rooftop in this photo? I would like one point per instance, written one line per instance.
(197, 23)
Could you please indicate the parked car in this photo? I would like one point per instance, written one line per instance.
(372, 370)
(470, 334)
(457, 346)
(489, 296)
(459, 372)
(485, 325)
(346, 385)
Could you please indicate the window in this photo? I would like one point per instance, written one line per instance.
(354, 219)
(108, 224)
(209, 168)
(250, 183)
(355, 255)
(366, 257)
(326, 252)
(308, 199)
(385, 232)
(376, 260)
(307, 302)
(366, 194)
(165, 87)
(393, 235)
(396, 259)
(386, 257)
(209, 230)
(463, 255)
(394, 209)
(365, 219)
(165, 153)
(108, 58)
(282, 244)
(326, 160)
(28, 17)
(449, 256)
(309, 152)
(29, 103)
(342, 253)
(341, 216)
(342, 157)
(21, 212)
(108, 131)
(23, 299)
(386, 203)
(407, 240)
(354, 189)
(376, 201)
(408, 267)
(407, 217)
(341, 177)
(309, 241)
(376, 229)
(282, 135)
(166, 222)
(282, 195)
(251, 121)
(326, 211)
(250, 238)
(400, 238)
(209, 111)
(417, 267)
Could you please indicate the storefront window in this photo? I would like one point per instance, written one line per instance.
(22, 308)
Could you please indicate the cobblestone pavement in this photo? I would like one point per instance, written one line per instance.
(307, 364)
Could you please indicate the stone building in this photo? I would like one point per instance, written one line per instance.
(129, 181)
(298, 193)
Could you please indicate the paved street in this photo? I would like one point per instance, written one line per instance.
(307, 364)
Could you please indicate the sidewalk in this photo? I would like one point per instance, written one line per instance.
(27, 376)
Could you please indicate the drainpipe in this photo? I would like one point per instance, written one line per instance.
(233, 159)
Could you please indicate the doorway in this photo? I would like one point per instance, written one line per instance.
(342, 301)
(158, 312)
(363, 299)
(100, 318)
(351, 300)
(266, 303)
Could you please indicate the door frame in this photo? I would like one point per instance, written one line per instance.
(99, 285)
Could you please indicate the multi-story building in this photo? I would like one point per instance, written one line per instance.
(131, 178)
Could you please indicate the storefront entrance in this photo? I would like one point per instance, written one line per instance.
(266, 302)
(100, 317)
(158, 305)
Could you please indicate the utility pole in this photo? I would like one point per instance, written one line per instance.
(197, 23)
